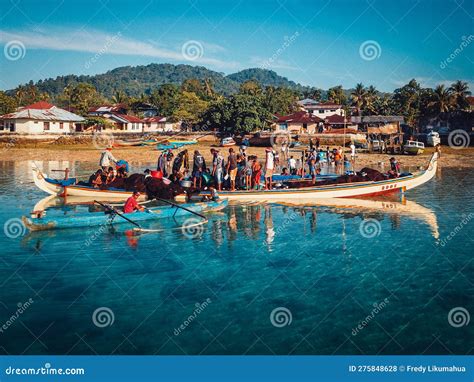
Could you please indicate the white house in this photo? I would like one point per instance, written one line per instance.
(321, 109)
(40, 118)
(160, 124)
(125, 123)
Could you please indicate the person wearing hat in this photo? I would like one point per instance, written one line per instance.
(131, 205)
(106, 157)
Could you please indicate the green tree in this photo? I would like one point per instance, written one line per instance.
(279, 100)
(166, 99)
(7, 104)
(252, 88)
(460, 92)
(359, 96)
(442, 100)
(336, 94)
(190, 108)
(80, 97)
(408, 100)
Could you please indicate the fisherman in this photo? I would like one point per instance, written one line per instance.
(232, 168)
(131, 205)
(111, 174)
(353, 152)
(199, 166)
(160, 166)
(169, 163)
(106, 157)
(394, 168)
(312, 166)
(269, 166)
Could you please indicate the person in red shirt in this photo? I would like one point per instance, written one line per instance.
(131, 205)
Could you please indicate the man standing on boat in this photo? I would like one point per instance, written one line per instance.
(232, 168)
(269, 166)
(106, 157)
(199, 166)
(217, 168)
(131, 205)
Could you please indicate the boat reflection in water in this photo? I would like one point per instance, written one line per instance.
(258, 221)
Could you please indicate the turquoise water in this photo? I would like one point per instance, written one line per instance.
(332, 288)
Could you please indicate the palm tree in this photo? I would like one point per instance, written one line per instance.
(370, 98)
(119, 97)
(358, 97)
(460, 92)
(336, 95)
(442, 100)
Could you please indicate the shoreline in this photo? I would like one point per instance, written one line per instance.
(462, 158)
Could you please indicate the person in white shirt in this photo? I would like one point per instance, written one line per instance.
(107, 157)
(269, 166)
(292, 165)
(353, 151)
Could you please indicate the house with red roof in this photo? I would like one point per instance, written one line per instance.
(41, 118)
(159, 124)
(321, 109)
(300, 122)
(126, 123)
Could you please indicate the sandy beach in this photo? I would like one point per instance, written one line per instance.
(461, 158)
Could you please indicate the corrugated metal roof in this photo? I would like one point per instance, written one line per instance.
(52, 114)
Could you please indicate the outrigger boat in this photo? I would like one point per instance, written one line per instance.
(67, 187)
(92, 219)
(344, 190)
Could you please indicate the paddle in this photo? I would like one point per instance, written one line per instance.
(184, 208)
(115, 211)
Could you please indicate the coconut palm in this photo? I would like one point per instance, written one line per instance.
(370, 99)
(358, 97)
(442, 100)
(460, 92)
(119, 97)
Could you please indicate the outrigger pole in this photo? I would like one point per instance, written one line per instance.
(116, 212)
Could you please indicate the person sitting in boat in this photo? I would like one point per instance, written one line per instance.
(131, 205)
(106, 158)
(121, 173)
(96, 179)
(199, 166)
(394, 168)
(110, 175)
(285, 171)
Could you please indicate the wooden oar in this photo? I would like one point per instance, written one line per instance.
(115, 211)
(184, 208)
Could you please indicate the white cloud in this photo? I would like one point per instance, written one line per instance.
(95, 41)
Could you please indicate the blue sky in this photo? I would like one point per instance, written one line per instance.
(319, 43)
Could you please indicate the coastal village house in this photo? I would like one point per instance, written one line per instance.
(299, 123)
(321, 109)
(160, 124)
(41, 118)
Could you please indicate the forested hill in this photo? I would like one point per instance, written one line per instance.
(142, 79)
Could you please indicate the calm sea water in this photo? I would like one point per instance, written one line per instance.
(370, 278)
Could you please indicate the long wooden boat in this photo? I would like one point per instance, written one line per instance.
(344, 190)
(69, 188)
(100, 218)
